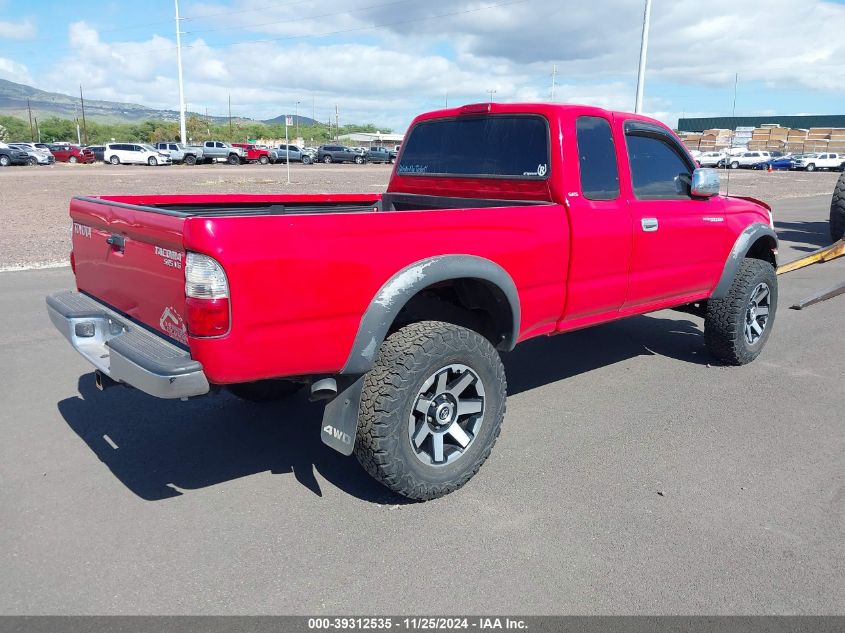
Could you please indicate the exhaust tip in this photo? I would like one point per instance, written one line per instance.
(102, 381)
(323, 389)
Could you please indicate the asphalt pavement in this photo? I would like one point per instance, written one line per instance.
(633, 476)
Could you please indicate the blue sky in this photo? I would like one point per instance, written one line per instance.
(383, 61)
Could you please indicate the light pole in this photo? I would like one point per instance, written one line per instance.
(296, 118)
(638, 104)
(182, 134)
(491, 92)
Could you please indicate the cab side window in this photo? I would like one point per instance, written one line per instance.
(597, 159)
(659, 171)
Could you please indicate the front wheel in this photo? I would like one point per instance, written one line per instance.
(837, 210)
(359, 160)
(151, 161)
(737, 327)
(190, 159)
(5, 161)
(811, 167)
(263, 160)
(233, 159)
(431, 409)
(306, 160)
(33, 160)
(327, 159)
(734, 165)
(73, 160)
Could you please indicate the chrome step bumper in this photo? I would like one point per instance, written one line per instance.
(124, 351)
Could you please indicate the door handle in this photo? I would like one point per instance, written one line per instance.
(117, 242)
(649, 224)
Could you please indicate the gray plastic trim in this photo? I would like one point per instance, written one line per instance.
(400, 288)
(743, 244)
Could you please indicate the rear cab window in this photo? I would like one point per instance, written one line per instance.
(513, 146)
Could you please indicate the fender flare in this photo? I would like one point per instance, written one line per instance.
(746, 239)
(401, 287)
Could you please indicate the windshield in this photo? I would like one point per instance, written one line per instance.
(504, 146)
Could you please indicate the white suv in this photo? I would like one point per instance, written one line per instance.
(748, 158)
(821, 161)
(137, 153)
(711, 159)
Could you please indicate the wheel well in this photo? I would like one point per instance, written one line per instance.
(475, 304)
(764, 249)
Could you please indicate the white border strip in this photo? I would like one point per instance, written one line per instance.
(35, 266)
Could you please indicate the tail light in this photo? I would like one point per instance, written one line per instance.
(206, 296)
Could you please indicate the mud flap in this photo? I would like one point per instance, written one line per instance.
(340, 418)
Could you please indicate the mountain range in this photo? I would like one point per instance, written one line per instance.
(13, 102)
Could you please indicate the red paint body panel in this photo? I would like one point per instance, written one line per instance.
(300, 283)
(251, 152)
(63, 154)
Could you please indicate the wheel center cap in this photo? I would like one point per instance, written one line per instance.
(443, 413)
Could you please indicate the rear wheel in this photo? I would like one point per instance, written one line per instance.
(431, 409)
(5, 161)
(190, 159)
(33, 160)
(265, 390)
(233, 159)
(327, 159)
(734, 165)
(837, 210)
(73, 159)
(359, 160)
(114, 160)
(811, 167)
(737, 327)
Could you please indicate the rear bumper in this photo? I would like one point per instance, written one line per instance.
(124, 351)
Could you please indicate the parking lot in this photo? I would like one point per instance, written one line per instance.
(632, 476)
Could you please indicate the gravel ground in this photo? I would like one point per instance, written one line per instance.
(36, 233)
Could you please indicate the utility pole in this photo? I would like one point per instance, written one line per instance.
(31, 132)
(231, 138)
(446, 105)
(313, 108)
(37, 131)
(554, 80)
(76, 116)
(491, 92)
(84, 125)
(296, 119)
(182, 133)
(336, 124)
(638, 103)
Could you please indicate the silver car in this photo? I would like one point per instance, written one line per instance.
(37, 156)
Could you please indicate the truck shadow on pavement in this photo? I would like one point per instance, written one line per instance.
(804, 236)
(161, 449)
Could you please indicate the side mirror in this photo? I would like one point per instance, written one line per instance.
(705, 183)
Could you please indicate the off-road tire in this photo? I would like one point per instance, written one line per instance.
(233, 159)
(837, 210)
(265, 390)
(724, 320)
(264, 160)
(190, 159)
(405, 360)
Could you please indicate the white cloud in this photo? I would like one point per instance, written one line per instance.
(23, 30)
(421, 51)
(13, 71)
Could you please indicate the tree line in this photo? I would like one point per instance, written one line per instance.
(198, 129)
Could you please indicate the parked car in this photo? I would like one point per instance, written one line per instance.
(746, 159)
(37, 156)
(12, 156)
(71, 154)
(135, 153)
(181, 153)
(837, 210)
(99, 152)
(338, 154)
(711, 159)
(825, 160)
(218, 150)
(297, 154)
(397, 319)
(255, 154)
(783, 163)
(378, 154)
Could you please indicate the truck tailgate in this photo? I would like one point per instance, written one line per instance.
(131, 260)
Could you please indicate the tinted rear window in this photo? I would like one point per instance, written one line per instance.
(504, 146)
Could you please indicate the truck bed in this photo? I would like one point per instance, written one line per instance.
(250, 205)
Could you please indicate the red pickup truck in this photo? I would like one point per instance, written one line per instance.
(255, 154)
(501, 222)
